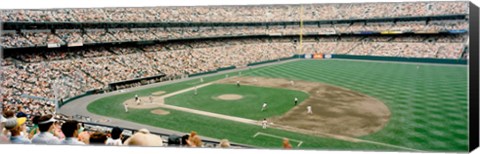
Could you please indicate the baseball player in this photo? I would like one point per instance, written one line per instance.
(264, 106)
(264, 123)
(296, 100)
(195, 91)
(291, 82)
(238, 83)
(309, 110)
(125, 105)
(151, 99)
(136, 98)
(201, 79)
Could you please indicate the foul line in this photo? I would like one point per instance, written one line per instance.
(265, 134)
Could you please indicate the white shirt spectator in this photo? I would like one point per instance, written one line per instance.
(45, 138)
(71, 141)
(111, 141)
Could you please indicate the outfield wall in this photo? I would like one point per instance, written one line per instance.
(384, 58)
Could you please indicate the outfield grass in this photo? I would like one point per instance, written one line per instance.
(279, 100)
(428, 105)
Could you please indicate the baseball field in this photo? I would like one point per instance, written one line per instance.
(357, 105)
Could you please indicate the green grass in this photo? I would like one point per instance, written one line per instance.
(279, 100)
(428, 105)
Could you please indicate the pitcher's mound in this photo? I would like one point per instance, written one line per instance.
(158, 93)
(160, 112)
(230, 97)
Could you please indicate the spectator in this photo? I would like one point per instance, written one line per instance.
(70, 130)
(9, 114)
(224, 143)
(46, 126)
(34, 129)
(16, 126)
(286, 144)
(98, 138)
(84, 136)
(3, 137)
(116, 137)
(194, 140)
(20, 112)
(144, 138)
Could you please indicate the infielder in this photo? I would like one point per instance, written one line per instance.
(296, 100)
(136, 98)
(309, 110)
(125, 105)
(264, 106)
(291, 82)
(264, 123)
(238, 83)
(195, 90)
(201, 79)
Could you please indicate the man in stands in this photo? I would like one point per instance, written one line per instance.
(46, 126)
(116, 137)
(20, 112)
(70, 130)
(3, 138)
(98, 138)
(16, 126)
(144, 138)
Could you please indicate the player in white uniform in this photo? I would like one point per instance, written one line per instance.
(195, 91)
(291, 82)
(125, 105)
(201, 79)
(151, 99)
(136, 98)
(309, 110)
(264, 123)
(264, 106)
(238, 83)
(296, 100)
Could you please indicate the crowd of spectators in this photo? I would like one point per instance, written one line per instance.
(442, 46)
(19, 125)
(253, 13)
(40, 38)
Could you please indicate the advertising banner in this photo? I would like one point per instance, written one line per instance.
(53, 45)
(75, 44)
(318, 56)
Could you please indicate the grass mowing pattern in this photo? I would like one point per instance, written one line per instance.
(428, 105)
(279, 100)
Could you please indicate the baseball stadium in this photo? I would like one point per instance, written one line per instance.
(350, 76)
